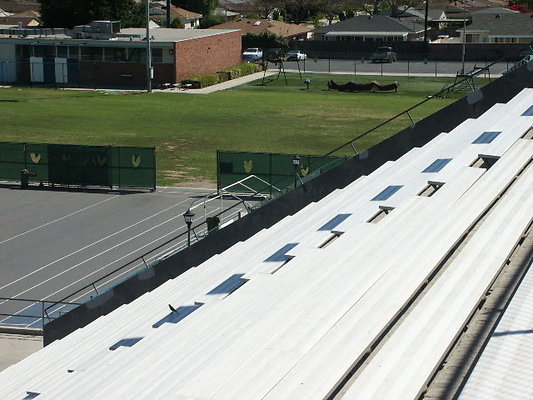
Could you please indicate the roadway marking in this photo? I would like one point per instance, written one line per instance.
(92, 244)
(56, 220)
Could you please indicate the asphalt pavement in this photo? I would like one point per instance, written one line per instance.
(54, 242)
(399, 68)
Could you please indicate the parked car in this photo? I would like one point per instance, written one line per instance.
(296, 55)
(383, 54)
(252, 54)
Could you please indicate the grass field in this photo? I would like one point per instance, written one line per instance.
(188, 129)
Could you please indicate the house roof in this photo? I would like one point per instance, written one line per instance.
(15, 6)
(376, 23)
(495, 10)
(502, 24)
(159, 10)
(278, 28)
(14, 21)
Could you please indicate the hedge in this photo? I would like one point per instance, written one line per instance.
(233, 72)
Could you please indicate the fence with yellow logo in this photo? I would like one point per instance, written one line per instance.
(278, 170)
(79, 165)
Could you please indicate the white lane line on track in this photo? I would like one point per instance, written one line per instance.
(56, 220)
(93, 272)
(91, 244)
(99, 254)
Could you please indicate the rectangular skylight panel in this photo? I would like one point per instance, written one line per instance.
(280, 254)
(387, 193)
(528, 112)
(437, 165)
(486, 137)
(335, 221)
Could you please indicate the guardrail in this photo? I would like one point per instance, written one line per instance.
(36, 311)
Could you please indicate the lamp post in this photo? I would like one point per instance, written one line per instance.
(148, 51)
(188, 216)
(296, 165)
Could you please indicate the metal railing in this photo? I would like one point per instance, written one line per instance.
(45, 309)
(173, 245)
(170, 247)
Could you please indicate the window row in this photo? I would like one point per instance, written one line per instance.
(83, 53)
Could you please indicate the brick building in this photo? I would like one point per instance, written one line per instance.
(102, 55)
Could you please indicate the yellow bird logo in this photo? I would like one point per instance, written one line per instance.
(304, 170)
(248, 165)
(35, 157)
(135, 160)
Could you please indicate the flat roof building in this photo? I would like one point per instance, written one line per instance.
(103, 55)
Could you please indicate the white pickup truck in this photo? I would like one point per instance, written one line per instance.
(252, 54)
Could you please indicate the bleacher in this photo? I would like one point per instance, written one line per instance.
(376, 279)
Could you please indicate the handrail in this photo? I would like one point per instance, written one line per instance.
(281, 191)
(44, 310)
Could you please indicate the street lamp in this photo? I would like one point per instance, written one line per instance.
(296, 165)
(188, 216)
(148, 51)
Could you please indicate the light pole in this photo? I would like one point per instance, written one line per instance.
(188, 216)
(296, 165)
(148, 51)
(464, 48)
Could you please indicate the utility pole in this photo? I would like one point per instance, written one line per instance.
(464, 47)
(168, 13)
(148, 51)
(426, 23)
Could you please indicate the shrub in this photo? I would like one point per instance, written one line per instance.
(233, 72)
(205, 80)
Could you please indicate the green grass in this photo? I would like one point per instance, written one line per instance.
(188, 129)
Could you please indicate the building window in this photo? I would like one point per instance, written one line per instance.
(43, 51)
(472, 38)
(157, 55)
(137, 55)
(62, 51)
(114, 54)
(506, 40)
(92, 54)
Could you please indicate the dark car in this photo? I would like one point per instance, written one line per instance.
(383, 54)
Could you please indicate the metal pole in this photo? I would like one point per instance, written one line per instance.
(188, 235)
(426, 25)
(464, 47)
(148, 51)
(168, 13)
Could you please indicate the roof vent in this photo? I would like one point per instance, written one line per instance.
(497, 16)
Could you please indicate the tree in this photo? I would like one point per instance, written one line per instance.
(263, 40)
(177, 24)
(266, 7)
(67, 13)
(204, 7)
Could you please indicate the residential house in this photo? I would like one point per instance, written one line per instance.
(499, 27)
(158, 13)
(278, 28)
(24, 18)
(371, 28)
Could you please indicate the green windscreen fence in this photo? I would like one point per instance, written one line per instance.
(62, 164)
(277, 170)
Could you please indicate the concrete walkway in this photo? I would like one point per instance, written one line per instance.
(221, 86)
(14, 348)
